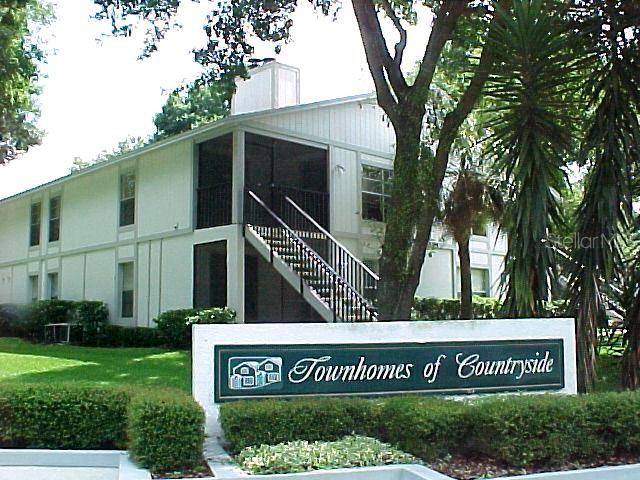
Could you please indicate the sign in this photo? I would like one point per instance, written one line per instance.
(271, 371)
(285, 360)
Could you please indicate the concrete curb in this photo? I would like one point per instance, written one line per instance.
(114, 459)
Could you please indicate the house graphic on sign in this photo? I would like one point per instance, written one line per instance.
(254, 372)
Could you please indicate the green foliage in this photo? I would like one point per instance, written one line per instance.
(302, 456)
(166, 431)
(162, 430)
(118, 336)
(251, 423)
(518, 430)
(20, 58)
(63, 417)
(93, 316)
(123, 147)
(609, 147)
(449, 308)
(427, 427)
(530, 89)
(174, 326)
(28, 321)
(42, 312)
(199, 105)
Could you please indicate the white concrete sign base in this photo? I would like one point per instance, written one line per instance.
(207, 337)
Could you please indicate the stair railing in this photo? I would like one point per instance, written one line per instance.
(353, 270)
(345, 303)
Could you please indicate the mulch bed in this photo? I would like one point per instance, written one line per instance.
(469, 468)
(203, 471)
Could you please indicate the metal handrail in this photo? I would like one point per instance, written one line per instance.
(332, 238)
(337, 304)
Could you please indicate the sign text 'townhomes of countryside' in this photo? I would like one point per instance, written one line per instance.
(263, 371)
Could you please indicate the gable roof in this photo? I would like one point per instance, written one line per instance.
(226, 122)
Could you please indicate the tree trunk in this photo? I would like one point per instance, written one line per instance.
(398, 284)
(631, 356)
(466, 290)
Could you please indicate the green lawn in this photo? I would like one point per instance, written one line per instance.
(23, 362)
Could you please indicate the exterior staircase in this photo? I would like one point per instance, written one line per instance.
(334, 282)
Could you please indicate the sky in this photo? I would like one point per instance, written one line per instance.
(95, 91)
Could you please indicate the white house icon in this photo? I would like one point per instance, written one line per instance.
(254, 372)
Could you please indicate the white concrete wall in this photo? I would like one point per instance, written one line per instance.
(206, 337)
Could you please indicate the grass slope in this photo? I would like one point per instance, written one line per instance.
(23, 362)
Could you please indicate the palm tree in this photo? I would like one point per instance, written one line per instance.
(610, 150)
(546, 59)
(631, 304)
(471, 202)
(528, 91)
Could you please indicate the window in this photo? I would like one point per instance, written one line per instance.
(34, 289)
(480, 281)
(54, 219)
(376, 191)
(210, 275)
(127, 199)
(126, 290)
(52, 280)
(479, 229)
(34, 232)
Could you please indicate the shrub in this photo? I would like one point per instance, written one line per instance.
(12, 320)
(521, 430)
(426, 427)
(166, 431)
(163, 431)
(251, 423)
(93, 316)
(449, 308)
(175, 325)
(63, 416)
(118, 336)
(302, 456)
(42, 312)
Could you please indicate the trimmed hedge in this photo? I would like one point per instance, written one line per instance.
(166, 432)
(163, 431)
(174, 326)
(483, 307)
(251, 423)
(426, 427)
(67, 416)
(449, 308)
(118, 336)
(518, 430)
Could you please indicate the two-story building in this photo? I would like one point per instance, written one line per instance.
(276, 211)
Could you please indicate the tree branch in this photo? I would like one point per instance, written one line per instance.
(443, 27)
(450, 127)
(402, 43)
(387, 76)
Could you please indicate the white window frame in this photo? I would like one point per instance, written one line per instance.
(383, 195)
(130, 198)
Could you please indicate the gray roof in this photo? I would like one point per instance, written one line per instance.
(229, 121)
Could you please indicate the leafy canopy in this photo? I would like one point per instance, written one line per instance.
(20, 58)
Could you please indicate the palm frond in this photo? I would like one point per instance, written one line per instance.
(534, 71)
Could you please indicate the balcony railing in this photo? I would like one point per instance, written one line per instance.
(214, 206)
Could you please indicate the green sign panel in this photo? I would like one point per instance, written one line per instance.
(272, 371)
